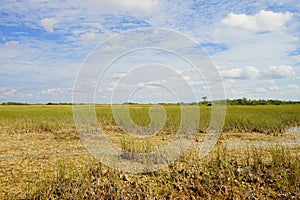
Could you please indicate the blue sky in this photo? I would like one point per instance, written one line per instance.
(254, 44)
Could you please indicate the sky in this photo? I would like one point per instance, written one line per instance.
(46, 45)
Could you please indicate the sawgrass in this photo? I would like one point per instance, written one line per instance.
(257, 174)
(271, 172)
(268, 119)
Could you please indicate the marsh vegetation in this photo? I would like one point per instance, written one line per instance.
(42, 156)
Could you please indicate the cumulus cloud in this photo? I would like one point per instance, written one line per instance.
(54, 91)
(233, 73)
(282, 71)
(250, 72)
(247, 72)
(262, 21)
(47, 24)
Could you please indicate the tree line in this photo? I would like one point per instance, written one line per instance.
(245, 101)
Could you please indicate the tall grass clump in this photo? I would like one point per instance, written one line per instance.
(221, 175)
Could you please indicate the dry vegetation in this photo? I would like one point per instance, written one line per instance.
(42, 157)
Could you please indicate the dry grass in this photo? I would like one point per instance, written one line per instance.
(219, 176)
(42, 157)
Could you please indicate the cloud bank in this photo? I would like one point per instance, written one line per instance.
(262, 21)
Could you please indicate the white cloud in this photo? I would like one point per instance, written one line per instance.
(136, 6)
(118, 75)
(11, 43)
(90, 38)
(250, 49)
(247, 72)
(232, 73)
(250, 72)
(10, 92)
(55, 91)
(262, 21)
(282, 71)
(49, 91)
(145, 5)
(47, 24)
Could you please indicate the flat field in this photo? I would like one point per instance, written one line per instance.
(257, 156)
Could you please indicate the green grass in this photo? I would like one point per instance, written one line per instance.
(35, 118)
(40, 118)
(262, 119)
